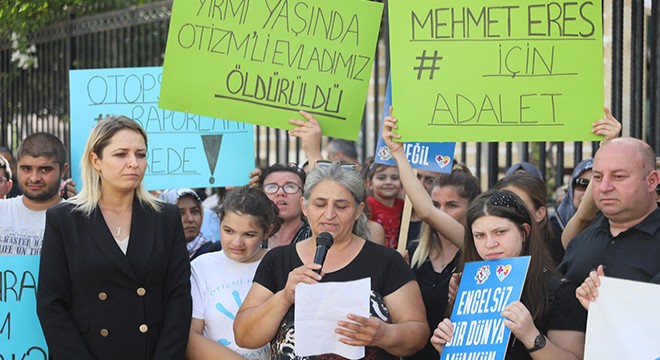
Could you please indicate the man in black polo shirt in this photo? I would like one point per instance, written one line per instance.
(626, 240)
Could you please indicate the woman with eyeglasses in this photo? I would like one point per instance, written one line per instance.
(548, 322)
(283, 184)
(333, 200)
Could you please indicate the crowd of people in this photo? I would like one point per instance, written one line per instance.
(130, 274)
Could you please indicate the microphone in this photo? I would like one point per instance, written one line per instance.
(323, 243)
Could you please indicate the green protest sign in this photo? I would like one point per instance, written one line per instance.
(262, 61)
(475, 70)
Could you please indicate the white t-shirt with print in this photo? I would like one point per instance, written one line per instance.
(21, 229)
(219, 286)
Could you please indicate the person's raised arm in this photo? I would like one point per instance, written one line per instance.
(420, 199)
(309, 132)
(406, 334)
(609, 128)
(584, 215)
(262, 311)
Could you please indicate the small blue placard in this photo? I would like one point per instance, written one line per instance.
(20, 331)
(184, 150)
(486, 288)
(431, 156)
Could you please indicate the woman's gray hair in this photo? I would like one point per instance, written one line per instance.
(350, 179)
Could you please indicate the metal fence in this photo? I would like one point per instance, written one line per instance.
(38, 99)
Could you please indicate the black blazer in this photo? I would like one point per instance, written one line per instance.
(94, 302)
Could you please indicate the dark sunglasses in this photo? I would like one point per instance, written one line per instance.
(580, 184)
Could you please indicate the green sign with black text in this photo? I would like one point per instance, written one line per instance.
(495, 71)
(262, 61)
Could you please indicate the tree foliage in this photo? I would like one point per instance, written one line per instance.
(20, 18)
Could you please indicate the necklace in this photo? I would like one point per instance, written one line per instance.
(118, 229)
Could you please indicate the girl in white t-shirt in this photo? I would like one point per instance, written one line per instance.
(221, 280)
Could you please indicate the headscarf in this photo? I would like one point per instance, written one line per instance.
(172, 196)
(566, 209)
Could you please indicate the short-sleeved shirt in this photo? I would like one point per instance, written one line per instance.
(218, 287)
(386, 268)
(21, 229)
(564, 313)
(631, 255)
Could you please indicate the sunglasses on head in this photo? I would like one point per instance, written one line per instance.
(342, 164)
(580, 184)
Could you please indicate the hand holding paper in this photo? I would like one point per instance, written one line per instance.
(360, 331)
(588, 291)
(320, 307)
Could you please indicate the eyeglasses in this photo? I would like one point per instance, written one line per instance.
(580, 184)
(289, 188)
(342, 164)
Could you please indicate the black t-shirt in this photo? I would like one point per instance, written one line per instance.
(435, 291)
(386, 268)
(631, 255)
(554, 243)
(564, 313)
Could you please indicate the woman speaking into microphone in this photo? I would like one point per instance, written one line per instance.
(333, 201)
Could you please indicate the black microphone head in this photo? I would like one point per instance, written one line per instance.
(324, 239)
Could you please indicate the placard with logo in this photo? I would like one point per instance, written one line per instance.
(486, 288)
(431, 156)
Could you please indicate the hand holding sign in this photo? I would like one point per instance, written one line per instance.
(608, 127)
(442, 334)
(309, 132)
(518, 319)
(389, 125)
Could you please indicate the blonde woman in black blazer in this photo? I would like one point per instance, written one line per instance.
(114, 273)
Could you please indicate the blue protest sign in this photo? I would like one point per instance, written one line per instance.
(486, 288)
(20, 332)
(431, 156)
(184, 150)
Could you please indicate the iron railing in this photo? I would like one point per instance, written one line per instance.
(38, 99)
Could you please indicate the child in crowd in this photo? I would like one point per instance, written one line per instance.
(384, 202)
(220, 280)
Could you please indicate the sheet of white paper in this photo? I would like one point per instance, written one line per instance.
(318, 309)
(624, 321)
